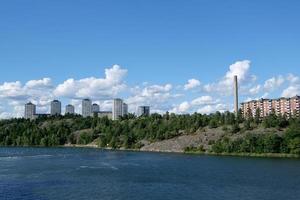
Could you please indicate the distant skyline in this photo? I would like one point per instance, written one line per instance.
(177, 56)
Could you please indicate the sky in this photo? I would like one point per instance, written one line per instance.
(173, 55)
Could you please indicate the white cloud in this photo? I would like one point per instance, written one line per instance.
(156, 96)
(6, 115)
(240, 69)
(206, 109)
(15, 95)
(203, 104)
(291, 91)
(181, 108)
(12, 90)
(42, 83)
(273, 83)
(204, 100)
(96, 88)
(255, 90)
(191, 84)
(214, 96)
(294, 86)
(42, 91)
(293, 79)
(225, 85)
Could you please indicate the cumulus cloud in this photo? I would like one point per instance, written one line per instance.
(293, 79)
(204, 100)
(211, 97)
(191, 84)
(15, 95)
(6, 115)
(156, 96)
(42, 83)
(293, 88)
(181, 108)
(291, 91)
(225, 85)
(202, 104)
(42, 91)
(255, 90)
(208, 109)
(12, 90)
(273, 83)
(95, 88)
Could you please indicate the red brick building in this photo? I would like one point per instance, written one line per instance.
(281, 106)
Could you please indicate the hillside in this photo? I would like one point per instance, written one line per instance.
(215, 133)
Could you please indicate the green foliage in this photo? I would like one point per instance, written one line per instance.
(193, 149)
(130, 131)
(235, 128)
(247, 125)
(262, 143)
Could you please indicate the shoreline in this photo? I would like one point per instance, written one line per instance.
(253, 155)
(257, 155)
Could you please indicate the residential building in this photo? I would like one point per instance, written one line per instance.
(95, 108)
(143, 111)
(86, 107)
(281, 106)
(125, 109)
(30, 111)
(117, 109)
(41, 115)
(107, 114)
(55, 107)
(70, 109)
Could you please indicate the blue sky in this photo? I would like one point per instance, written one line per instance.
(160, 45)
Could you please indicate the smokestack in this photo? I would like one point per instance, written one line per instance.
(236, 96)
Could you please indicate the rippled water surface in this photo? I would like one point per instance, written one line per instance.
(70, 173)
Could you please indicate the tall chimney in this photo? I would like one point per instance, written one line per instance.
(236, 96)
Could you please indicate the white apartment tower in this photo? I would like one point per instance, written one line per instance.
(30, 110)
(95, 108)
(143, 111)
(70, 109)
(117, 110)
(55, 107)
(86, 107)
(125, 109)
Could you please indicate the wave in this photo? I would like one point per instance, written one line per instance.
(24, 156)
(104, 165)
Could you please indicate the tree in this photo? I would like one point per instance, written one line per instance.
(257, 118)
(235, 128)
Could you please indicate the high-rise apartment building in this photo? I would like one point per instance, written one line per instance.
(95, 108)
(30, 111)
(125, 109)
(281, 106)
(70, 109)
(55, 107)
(143, 111)
(86, 107)
(117, 110)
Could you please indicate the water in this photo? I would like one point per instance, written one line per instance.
(70, 173)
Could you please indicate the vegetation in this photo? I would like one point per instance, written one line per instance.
(131, 131)
(287, 143)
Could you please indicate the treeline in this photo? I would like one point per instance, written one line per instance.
(127, 132)
(131, 131)
(288, 143)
